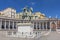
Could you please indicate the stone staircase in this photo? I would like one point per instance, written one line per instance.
(53, 35)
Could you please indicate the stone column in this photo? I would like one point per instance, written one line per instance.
(46, 25)
(1, 24)
(33, 25)
(9, 24)
(43, 25)
(36, 25)
(13, 24)
(5, 24)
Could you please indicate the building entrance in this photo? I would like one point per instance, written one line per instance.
(53, 26)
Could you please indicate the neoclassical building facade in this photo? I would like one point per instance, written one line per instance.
(9, 19)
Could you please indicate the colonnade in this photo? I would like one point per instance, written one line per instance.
(41, 25)
(11, 24)
(7, 24)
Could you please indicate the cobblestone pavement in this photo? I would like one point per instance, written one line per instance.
(53, 35)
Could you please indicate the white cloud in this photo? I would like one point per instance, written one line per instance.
(32, 3)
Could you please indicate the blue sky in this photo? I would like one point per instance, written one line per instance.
(48, 7)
